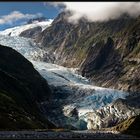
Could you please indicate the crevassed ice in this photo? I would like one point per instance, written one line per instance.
(95, 97)
(58, 75)
(26, 47)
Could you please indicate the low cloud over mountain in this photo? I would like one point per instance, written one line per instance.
(98, 11)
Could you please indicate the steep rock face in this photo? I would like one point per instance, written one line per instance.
(55, 37)
(105, 52)
(21, 90)
(95, 62)
(38, 25)
(122, 63)
(39, 19)
(31, 33)
(73, 40)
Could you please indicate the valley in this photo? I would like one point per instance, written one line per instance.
(70, 90)
(89, 88)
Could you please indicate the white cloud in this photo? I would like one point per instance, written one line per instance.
(15, 16)
(99, 11)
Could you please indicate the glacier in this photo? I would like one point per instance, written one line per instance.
(25, 46)
(95, 97)
(76, 92)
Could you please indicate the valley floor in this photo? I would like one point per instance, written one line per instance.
(63, 135)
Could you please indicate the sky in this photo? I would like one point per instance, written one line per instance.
(17, 13)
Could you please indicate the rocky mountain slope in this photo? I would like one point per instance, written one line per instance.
(21, 90)
(108, 53)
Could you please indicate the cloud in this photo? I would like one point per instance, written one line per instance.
(15, 16)
(98, 11)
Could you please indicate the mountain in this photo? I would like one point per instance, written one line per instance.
(29, 30)
(39, 19)
(21, 90)
(108, 53)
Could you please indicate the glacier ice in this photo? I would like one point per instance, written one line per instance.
(26, 47)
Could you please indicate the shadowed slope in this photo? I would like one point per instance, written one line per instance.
(21, 90)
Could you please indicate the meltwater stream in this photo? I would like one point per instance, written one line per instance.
(74, 96)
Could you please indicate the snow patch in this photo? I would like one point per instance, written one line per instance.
(16, 31)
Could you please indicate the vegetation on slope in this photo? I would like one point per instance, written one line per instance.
(22, 89)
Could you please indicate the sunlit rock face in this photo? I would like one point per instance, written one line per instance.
(104, 51)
